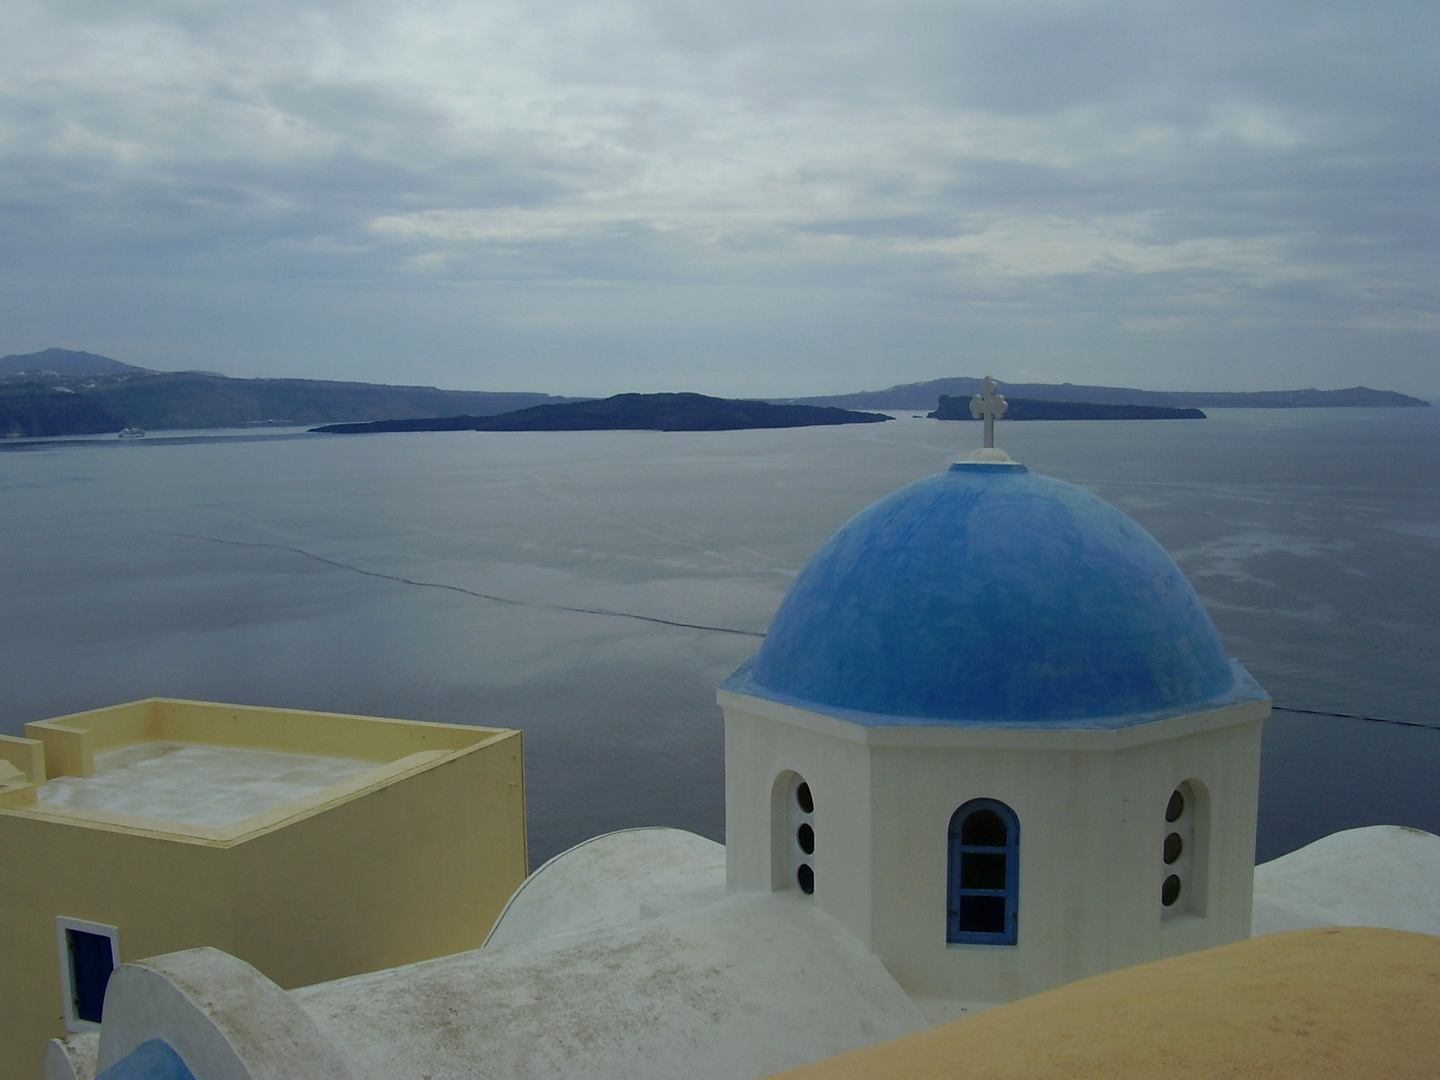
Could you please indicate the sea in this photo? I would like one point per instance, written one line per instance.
(591, 588)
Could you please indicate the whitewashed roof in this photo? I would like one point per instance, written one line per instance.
(1383, 875)
(614, 880)
(723, 988)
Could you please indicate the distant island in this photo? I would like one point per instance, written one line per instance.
(958, 408)
(925, 395)
(68, 392)
(631, 412)
(65, 362)
(62, 392)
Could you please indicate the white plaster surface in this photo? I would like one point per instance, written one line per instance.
(1382, 875)
(73, 1057)
(623, 958)
(225, 1020)
(943, 1010)
(739, 988)
(1091, 809)
(614, 880)
(190, 784)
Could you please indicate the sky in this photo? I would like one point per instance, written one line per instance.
(729, 196)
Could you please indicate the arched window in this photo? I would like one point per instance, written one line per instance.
(984, 880)
(1182, 886)
(792, 816)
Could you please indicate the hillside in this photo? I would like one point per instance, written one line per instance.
(632, 412)
(193, 400)
(63, 362)
(35, 410)
(958, 408)
(51, 403)
(926, 395)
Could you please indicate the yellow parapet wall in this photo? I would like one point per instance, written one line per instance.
(1350, 1003)
(408, 852)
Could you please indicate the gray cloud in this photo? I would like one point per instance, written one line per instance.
(739, 197)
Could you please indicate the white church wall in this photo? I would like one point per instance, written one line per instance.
(1223, 769)
(758, 752)
(1065, 834)
(1091, 812)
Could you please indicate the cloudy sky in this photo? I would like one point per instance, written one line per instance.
(733, 196)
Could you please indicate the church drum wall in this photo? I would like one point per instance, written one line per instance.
(1091, 811)
(1092, 828)
(757, 751)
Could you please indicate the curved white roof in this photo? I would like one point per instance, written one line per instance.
(616, 961)
(1382, 875)
(613, 880)
(715, 989)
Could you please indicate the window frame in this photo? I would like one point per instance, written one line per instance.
(954, 891)
(63, 925)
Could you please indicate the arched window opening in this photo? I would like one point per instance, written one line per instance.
(802, 835)
(1180, 884)
(793, 825)
(984, 875)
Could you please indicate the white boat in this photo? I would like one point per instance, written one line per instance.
(132, 433)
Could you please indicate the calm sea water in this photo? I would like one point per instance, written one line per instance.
(438, 577)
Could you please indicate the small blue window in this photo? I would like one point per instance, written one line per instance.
(91, 962)
(984, 878)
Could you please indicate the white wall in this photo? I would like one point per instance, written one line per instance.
(757, 751)
(1091, 807)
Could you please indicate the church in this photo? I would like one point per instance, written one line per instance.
(991, 746)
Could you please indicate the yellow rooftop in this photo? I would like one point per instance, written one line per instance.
(212, 772)
(1349, 1002)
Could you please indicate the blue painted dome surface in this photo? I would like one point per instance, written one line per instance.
(153, 1060)
(991, 594)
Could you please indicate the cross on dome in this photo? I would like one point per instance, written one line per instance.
(988, 406)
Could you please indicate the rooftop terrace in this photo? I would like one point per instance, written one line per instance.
(213, 772)
(194, 784)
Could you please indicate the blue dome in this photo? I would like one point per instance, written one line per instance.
(991, 594)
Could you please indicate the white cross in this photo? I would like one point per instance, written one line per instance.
(989, 407)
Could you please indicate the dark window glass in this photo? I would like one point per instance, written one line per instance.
(1170, 891)
(805, 837)
(1173, 847)
(1175, 808)
(982, 870)
(983, 828)
(804, 799)
(982, 914)
(91, 963)
(805, 877)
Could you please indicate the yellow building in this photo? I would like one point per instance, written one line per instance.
(312, 845)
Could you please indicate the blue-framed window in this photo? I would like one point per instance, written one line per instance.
(89, 954)
(984, 877)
